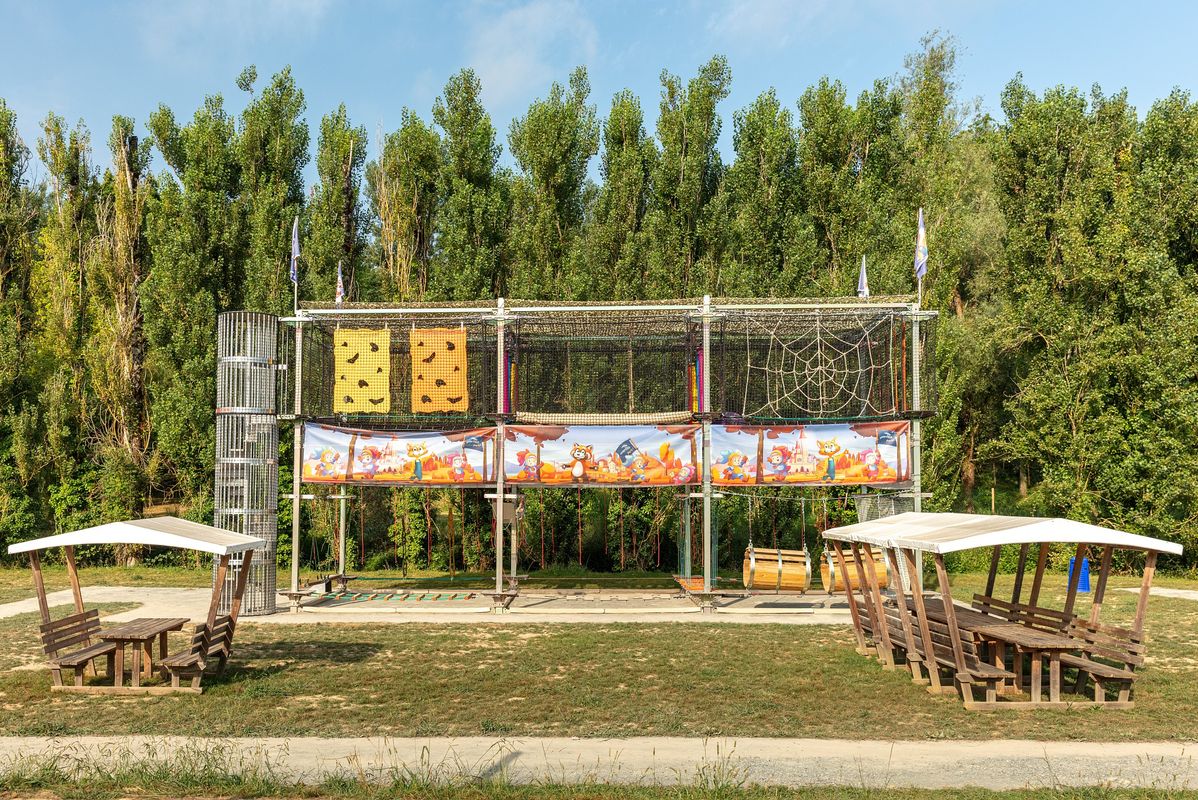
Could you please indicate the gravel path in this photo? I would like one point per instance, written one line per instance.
(994, 765)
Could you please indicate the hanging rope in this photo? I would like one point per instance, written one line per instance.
(774, 520)
(621, 493)
(541, 499)
(451, 558)
(579, 490)
(428, 529)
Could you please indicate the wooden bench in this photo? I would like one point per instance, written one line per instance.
(1120, 651)
(1042, 619)
(220, 642)
(977, 669)
(189, 663)
(76, 629)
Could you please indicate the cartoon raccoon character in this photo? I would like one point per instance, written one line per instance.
(582, 458)
(829, 449)
(417, 452)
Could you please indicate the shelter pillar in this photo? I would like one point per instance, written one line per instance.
(247, 450)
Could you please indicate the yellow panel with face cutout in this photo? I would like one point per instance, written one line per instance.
(439, 370)
(363, 377)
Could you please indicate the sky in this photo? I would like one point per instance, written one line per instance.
(92, 60)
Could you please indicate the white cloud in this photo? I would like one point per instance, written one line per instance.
(524, 47)
(190, 29)
(764, 23)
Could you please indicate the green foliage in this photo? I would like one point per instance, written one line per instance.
(1063, 241)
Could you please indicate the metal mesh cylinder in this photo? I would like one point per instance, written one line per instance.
(247, 448)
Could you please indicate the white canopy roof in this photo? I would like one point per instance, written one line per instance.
(155, 532)
(949, 533)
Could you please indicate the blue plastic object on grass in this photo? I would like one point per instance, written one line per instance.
(1083, 581)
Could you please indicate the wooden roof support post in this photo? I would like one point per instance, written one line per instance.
(39, 585)
(222, 569)
(239, 587)
(990, 576)
(870, 609)
(950, 614)
(1071, 594)
(921, 617)
(854, 612)
(1145, 585)
(871, 575)
(1038, 579)
(900, 596)
(1017, 591)
(73, 573)
(1104, 572)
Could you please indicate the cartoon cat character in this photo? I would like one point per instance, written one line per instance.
(418, 452)
(582, 458)
(778, 462)
(368, 461)
(829, 449)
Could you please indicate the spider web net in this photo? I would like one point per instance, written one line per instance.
(816, 364)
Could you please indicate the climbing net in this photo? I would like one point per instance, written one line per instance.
(817, 364)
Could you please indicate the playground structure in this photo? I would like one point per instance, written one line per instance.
(696, 396)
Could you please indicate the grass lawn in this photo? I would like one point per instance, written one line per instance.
(690, 679)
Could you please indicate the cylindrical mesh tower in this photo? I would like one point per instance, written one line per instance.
(247, 448)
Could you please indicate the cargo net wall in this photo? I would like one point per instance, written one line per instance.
(800, 365)
(395, 371)
(603, 367)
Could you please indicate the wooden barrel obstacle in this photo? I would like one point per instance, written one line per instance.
(774, 570)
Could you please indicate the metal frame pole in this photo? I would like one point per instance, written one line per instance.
(297, 465)
(708, 567)
(685, 545)
(341, 544)
(916, 434)
(500, 383)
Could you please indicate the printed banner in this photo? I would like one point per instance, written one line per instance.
(810, 455)
(601, 455)
(422, 458)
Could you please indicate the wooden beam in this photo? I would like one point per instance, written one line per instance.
(900, 595)
(1104, 572)
(73, 574)
(1038, 578)
(239, 587)
(39, 586)
(222, 569)
(1142, 604)
(874, 622)
(994, 556)
(921, 617)
(854, 612)
(871, 575)
(950, 614)
(1017, 591)
(1074, 579)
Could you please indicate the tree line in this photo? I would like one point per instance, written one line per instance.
(1063, 237)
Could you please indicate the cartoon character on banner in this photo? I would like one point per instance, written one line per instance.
(326, 460)
(873, 464)
(582, 459)
(685, 474)
(529, 466)
(639, 464)
(418, 452)
(457, 463)
(368, 458)
(778, 462)
(829, 449)
(735, 463)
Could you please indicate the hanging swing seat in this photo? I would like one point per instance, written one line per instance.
(774, 570)
(692, 585)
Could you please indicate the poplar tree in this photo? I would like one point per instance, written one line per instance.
(336, 222)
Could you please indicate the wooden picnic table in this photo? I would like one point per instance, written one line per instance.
(140, 633)
(1037, 644)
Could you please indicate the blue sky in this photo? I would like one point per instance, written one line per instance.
(93, 60)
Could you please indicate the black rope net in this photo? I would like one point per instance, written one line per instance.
(605, 367)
